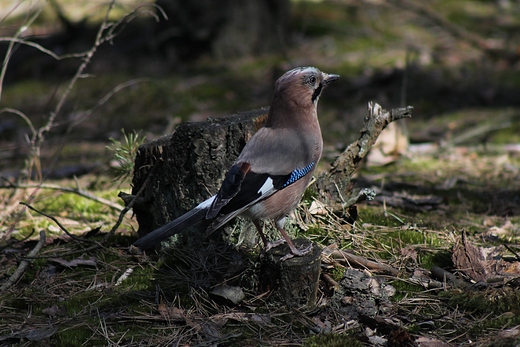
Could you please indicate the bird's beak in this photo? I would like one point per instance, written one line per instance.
(329, 78)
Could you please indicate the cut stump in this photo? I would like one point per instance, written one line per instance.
(292, 281)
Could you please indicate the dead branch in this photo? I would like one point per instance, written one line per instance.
(341, 255)
(478, 131)
(23, 264)
(72, 236)
(104, 34)
(334, 186)
(11, 46)
(36, 142)
(348, 259)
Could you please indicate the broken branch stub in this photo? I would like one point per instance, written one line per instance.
(334, 187)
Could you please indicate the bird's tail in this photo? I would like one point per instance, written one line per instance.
(174, 227)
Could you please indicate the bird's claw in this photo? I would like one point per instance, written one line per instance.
(273, 244)
(297, 252)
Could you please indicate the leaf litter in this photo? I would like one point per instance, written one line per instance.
(425, 280)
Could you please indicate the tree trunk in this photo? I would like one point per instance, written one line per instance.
(225, 28)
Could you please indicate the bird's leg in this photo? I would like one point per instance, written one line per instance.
(267, 245)
(256, 222)
(294, 251)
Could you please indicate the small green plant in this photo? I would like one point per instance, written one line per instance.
(124, 153)
(332, 340)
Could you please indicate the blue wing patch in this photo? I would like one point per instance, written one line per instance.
(297, 174)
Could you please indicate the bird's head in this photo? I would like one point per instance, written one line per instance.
(301, 87)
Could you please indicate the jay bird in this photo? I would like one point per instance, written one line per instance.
(273, 170)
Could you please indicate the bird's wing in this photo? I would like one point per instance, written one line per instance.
(254, 188)
(269, 162)
(282, 150)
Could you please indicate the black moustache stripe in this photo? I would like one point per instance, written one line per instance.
(317, 92)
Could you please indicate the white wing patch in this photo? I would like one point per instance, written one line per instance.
(267, 187)
(206, 203)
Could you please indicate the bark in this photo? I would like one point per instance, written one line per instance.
(293, 281)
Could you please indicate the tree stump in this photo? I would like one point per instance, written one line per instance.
(293, 281)
(188, 167)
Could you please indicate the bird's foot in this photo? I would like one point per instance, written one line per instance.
(297, 252)
(274, 244)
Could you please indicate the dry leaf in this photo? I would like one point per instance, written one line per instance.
(390, 145)
(483, 264)
(171, 313)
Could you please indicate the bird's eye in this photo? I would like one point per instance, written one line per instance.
(312, 80)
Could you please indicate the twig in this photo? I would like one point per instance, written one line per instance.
(43, 49)
(342, 256)
(77, 191)
(23, 264)
(137, 195)
(119, 220)
(38, 140)
(72, 236)
(11, 46)
(21, 115)
(330, 281)
(38, 137)
(107, 97)
(447, 277)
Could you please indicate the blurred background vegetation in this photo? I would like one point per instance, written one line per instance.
(175, 61)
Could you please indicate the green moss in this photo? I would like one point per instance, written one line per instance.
(32, 226)
(492, 309)
(140, 279)
(492, 300)
(377, 216)
(338, 272)
(76, 206)
(332, 340)
(404, 289)
(309, 195)
(78, 335)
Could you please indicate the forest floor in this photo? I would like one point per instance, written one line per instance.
(446, 219)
